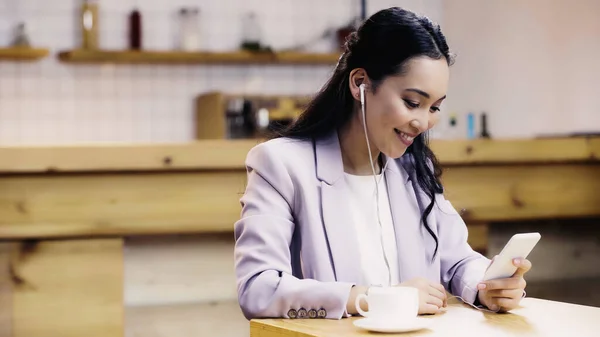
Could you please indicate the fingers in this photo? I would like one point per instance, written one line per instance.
(523, 266)
(502, 300)
(435, 301)
(506, 283)
(506, 293)
(514, 282)
(506, 304)
(438, 290)
(494, 306)
(429, 309)
(439, 287)
(433, 298)
(435, 290)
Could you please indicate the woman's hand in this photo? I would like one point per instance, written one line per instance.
(505, 294)
(432, 296)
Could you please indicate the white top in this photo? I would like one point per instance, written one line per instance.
(371, 236)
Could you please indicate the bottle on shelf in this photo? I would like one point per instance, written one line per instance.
(470, 125)
(135, 30)
(262, 122)
(485, 133)
(89, 24)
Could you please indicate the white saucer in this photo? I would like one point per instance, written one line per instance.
(414, 324)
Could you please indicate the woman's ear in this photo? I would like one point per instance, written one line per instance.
(357, 77)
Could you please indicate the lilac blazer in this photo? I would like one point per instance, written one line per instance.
(295, 243)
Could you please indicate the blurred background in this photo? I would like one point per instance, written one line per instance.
(109, 92)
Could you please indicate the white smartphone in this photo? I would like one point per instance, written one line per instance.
(519, 246)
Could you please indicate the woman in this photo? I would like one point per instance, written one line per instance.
(349, 196)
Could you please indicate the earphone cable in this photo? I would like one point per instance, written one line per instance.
(364, 120)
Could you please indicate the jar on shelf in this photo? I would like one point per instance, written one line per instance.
(20, 37)
(251, 32)
(189, 29)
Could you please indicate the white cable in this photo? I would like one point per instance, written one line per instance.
(480, 308)
(364, 120)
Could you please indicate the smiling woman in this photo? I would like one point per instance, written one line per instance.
(349, 196)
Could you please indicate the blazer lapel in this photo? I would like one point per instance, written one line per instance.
(338, 221)
(406, 215)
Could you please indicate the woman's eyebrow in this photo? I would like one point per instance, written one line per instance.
(422, 93)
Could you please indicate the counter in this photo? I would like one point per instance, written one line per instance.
(108, 190)
(230, 154)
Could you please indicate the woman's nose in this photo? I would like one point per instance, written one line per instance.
(421, 122)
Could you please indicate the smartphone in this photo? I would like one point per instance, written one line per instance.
(519, 246)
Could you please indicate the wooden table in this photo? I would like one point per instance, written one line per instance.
(535, 317)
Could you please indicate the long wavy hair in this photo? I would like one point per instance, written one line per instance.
(382, 46)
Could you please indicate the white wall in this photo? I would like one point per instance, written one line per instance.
(532, 65)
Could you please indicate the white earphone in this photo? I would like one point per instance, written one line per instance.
(364, 120)
(362, 93)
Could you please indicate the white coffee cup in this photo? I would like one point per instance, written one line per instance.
(390, 303)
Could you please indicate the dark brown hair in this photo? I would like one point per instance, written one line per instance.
(382, 46)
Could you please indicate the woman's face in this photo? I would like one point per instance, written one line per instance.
(407, 105)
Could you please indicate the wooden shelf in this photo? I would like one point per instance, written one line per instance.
(23, 54)
(176, 57)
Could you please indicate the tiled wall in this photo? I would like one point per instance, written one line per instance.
(508, 66)
(47, 102)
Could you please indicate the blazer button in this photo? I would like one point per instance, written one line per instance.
(302, 313)
(292, 313)
(312, 313)
(322, 313)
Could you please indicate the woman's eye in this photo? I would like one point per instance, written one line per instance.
(411, 104)
(435, 108)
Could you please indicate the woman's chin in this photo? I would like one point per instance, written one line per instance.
(395, 152)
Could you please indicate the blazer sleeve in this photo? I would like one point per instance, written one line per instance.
(461, 267)
(265, 284)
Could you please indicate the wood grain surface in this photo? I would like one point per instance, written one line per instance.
(84, 205)
(63, 288)
(217, 154)
(178, 57)
(534, 318)
(23, 53)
